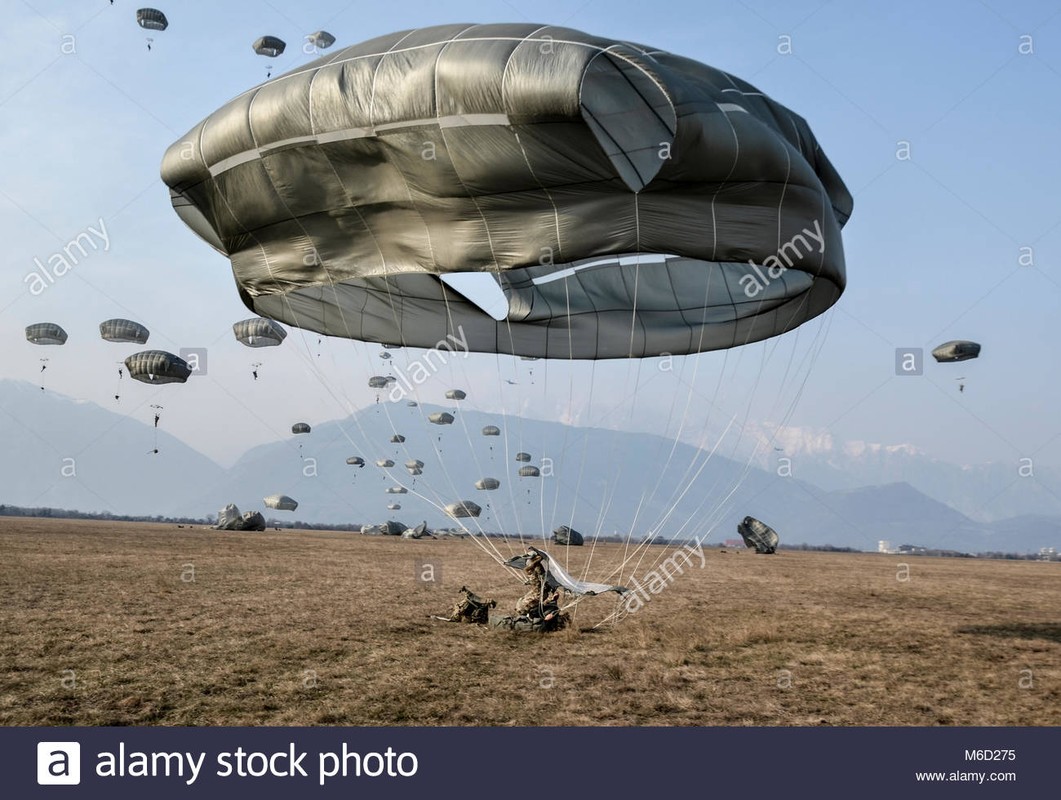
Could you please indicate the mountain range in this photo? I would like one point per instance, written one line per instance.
(65, 453)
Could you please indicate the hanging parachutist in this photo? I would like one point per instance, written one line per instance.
(961, 387)
(119, 373)
(155, 451)
(157, 418)
(44, 367)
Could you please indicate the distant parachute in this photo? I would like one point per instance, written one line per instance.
(151, 19)
(491, 430)
(758, 535)
(414, 463)
(269, 46)
(300, 427)
(259, 332)
(523, 456)
(440, 418)
(958, 350)
(157, 366)
(123, 330)
(397, 439)
(456, 394)
(394, 506)
(487, 484)
(280, 502)
(321, 39)
(379, 382)
(47, 333)
(463, 508)
(384, 462)
(355, 461)
(412, 404)
(529, 472)
(397, 490)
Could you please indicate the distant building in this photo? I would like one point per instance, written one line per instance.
(884, 546)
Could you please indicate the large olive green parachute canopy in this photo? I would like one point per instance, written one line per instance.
(157, 366)
(487, 484)
(524, 189)
(269, 46)
(45, 333)
(463, 508)
(123, 330)
(281, 502)
(258, 332)
(959, 350)
(758, 535)
(151, 19)
(300, 427)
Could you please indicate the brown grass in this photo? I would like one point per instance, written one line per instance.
(320, 628)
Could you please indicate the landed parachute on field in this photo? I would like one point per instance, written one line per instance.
(566, 535)
(758, 535)
(259, 332)
(45, 333)
(123, 330)
(558, 578)
(625, 159)
(157, 366)
(958, 350)
(280, 502)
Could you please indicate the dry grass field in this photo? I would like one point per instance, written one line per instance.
(103, 624)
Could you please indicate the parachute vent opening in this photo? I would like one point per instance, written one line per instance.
(480, 289)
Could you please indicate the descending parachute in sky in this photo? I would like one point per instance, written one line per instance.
(280, 502)
(456, 394)
(379, 381)
(270, 47)
(958, 350)
(394, 506)
(487, 484)
(259, 332)
(123, 330)
(151, 19)
(491, 430)
(397, 439)
(440, 418)
(758, 535)
(386, 463)
(669, 258)
(523, 457)
(300, 427)
(45, 333)
(529, 472)
(397, 490)
(322, 40)
(157, 366)
(462, 509)
(356, 461)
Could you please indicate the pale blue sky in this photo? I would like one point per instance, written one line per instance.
(932, 247)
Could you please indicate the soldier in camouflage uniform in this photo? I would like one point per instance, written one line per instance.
(471, 608)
